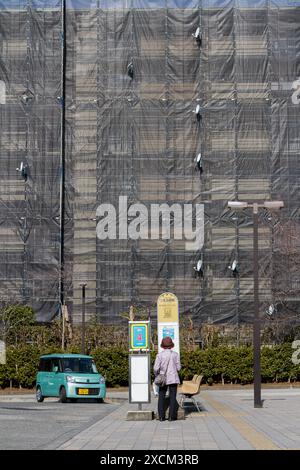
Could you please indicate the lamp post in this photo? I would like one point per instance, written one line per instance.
(271, 205)
(83, 286)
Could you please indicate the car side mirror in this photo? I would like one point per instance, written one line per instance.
(55, 369)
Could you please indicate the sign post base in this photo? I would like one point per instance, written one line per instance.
(145, 415)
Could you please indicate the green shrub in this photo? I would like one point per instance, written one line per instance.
(217, 365)
(22, 365)
(113, 364)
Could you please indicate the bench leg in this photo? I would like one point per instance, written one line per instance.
(181, 401)
(196, 404)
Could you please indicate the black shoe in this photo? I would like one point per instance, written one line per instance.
(162, 419)
(172, 419)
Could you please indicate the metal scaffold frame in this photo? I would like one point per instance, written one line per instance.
(100, 101)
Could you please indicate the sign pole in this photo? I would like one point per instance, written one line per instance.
(140, 406)
(139, 369)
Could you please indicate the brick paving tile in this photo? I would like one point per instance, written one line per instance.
(228, 421)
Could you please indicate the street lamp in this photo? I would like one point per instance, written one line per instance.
(83, 286)
(271, 205)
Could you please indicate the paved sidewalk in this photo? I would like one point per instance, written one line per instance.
(227, 421)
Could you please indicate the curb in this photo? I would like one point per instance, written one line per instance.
(32, 399)
(120, 400)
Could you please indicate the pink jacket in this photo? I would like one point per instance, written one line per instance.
(161, 363)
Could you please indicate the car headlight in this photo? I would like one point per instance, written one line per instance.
(70, 379)
(102, 380)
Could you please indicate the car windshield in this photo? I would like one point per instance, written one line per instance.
(79, 365)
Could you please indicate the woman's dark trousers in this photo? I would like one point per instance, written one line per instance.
(173, 403)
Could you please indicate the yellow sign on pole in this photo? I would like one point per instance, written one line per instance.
(167, 308)
(168, 319)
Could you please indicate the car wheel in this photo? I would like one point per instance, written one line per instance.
(39, 395)
(99, 400)
(73, 400)
(63, 395)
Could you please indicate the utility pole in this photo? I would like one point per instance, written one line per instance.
(256, 322)
(83, 286)
(270, 205)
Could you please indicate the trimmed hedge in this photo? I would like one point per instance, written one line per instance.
(113, 364)
(218, 365)
(22, 365)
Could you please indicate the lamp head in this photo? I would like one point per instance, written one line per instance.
(237, 205)
(274, 205)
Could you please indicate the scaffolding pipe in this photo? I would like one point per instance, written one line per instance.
(62, 157)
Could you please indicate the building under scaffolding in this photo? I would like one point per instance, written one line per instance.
(98, 101)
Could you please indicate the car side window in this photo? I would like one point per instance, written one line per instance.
(54, 363)
(45, 365)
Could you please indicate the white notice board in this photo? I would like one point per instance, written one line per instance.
(139, 375)
(171, 330)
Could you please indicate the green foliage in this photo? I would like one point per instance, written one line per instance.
(21, 366)
(16, 322)
(219, 362)
(235, 365)
(217, 365)
(113, 364)
(277, 365)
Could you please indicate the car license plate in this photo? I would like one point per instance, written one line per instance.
(83, 391)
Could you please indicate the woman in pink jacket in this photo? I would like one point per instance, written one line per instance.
(167, 362)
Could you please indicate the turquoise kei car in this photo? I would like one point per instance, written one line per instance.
(69, 376)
